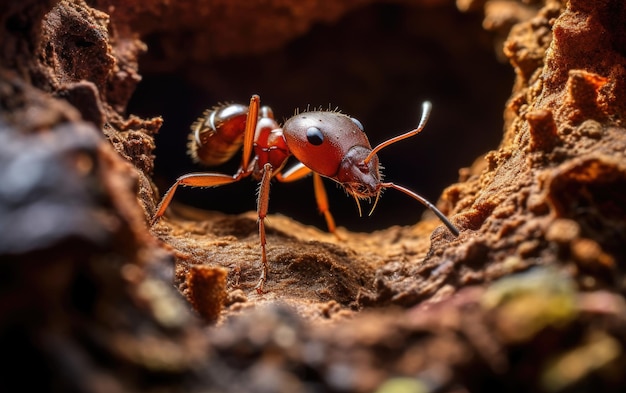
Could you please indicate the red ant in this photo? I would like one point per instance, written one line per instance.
(326, 143)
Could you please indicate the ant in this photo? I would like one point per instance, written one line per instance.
(326, 143)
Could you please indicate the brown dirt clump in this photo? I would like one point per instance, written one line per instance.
(530, 296)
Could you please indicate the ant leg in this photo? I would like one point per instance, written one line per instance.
(200, 179)
(248, 136)
(296, 172)
(299, 171)
(165, 202)
(262, 205)
(322, 204)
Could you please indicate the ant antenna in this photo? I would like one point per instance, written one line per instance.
(426, 203)
(426, 108)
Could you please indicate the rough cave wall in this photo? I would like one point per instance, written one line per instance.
(562, 130)
(87, 300)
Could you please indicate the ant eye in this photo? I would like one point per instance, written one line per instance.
(314, 136)
(358, 123)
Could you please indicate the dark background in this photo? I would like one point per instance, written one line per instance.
(376, 64)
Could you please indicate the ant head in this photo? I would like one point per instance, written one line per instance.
(360, 179)
(322, 140)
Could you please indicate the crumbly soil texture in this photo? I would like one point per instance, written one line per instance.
(528, 298)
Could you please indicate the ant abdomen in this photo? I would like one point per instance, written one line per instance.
(218, 134)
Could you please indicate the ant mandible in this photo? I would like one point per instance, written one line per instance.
(326, 143)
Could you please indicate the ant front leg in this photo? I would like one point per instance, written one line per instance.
(322, 203)
(299, 171)
(262, 205)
